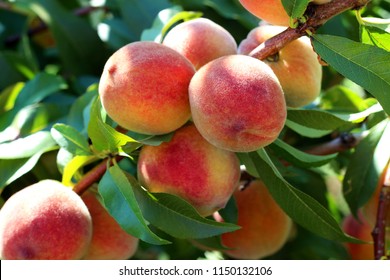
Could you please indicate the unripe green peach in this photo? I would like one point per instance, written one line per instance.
(296, 65)
(191, 168)
(237, 103)
(45, 221)
(109, 240)
(362, 230)
(265, 228)
(144, 88)
(200, 40)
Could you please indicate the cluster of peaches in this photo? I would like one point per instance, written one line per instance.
(217, 100)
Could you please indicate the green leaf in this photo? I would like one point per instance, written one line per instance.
(323, 120)
(12, 169)
(70, 139)
(115, 33)
(299, 158)
(306, 131)
(165, 20)
(175, 216)
(28, 146)
(119, 199)
(34, 91)
(350, 59)
(365, 166)
(375, 36)
(104, 137)
(139, 15)
(73, 166)
(342, 99)
(295, 8)
(380, 23)
(81, 50)
(78, 116)
(302, 208)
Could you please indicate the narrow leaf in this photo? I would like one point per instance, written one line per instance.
(73, 166)
(361, 177)
(295, 8)
(28, 146)
(177, 217)
(298, 157)
(323, 120)
(104, 137)
(302, 208)
(350, 59)
(70, 139)
(306, 131)
(119, 199)
(376, 37)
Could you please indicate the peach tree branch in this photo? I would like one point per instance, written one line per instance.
(316, 15)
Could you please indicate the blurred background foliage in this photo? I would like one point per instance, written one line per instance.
(52, 51)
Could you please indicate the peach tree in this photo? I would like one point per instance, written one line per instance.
(64, 116)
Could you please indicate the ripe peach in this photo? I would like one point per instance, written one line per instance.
(109, 240)
(144, 88)
(237, 103)
(44, 221)
(265, 228)
(271, 11)
(200, 40)
(362, 230)
(296, 65)
(191, 168)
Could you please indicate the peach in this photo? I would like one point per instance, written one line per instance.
(191, 168)
(109, 240)
(271, 11)
(237, 103)
(44, 221)
(144, 88)
(296, 65)
(200, 41)
(362, 230)
(265, 228)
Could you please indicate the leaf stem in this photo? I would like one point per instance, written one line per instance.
(317, 15)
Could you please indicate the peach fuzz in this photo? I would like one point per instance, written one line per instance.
(237, 103)
(144, 88)
(191, 168)
(271, 11)
(265, 228)
(45, 221)
(361, 230)
(200, 41)
(109, 240)
(296, 65)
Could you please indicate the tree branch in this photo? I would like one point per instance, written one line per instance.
(94, 175)
(316, 15)
(383, 218)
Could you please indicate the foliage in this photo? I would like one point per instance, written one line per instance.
(52, 124)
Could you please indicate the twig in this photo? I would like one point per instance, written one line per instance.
(94, 175)
(383, 218)
(343, 142)
(316, 15)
